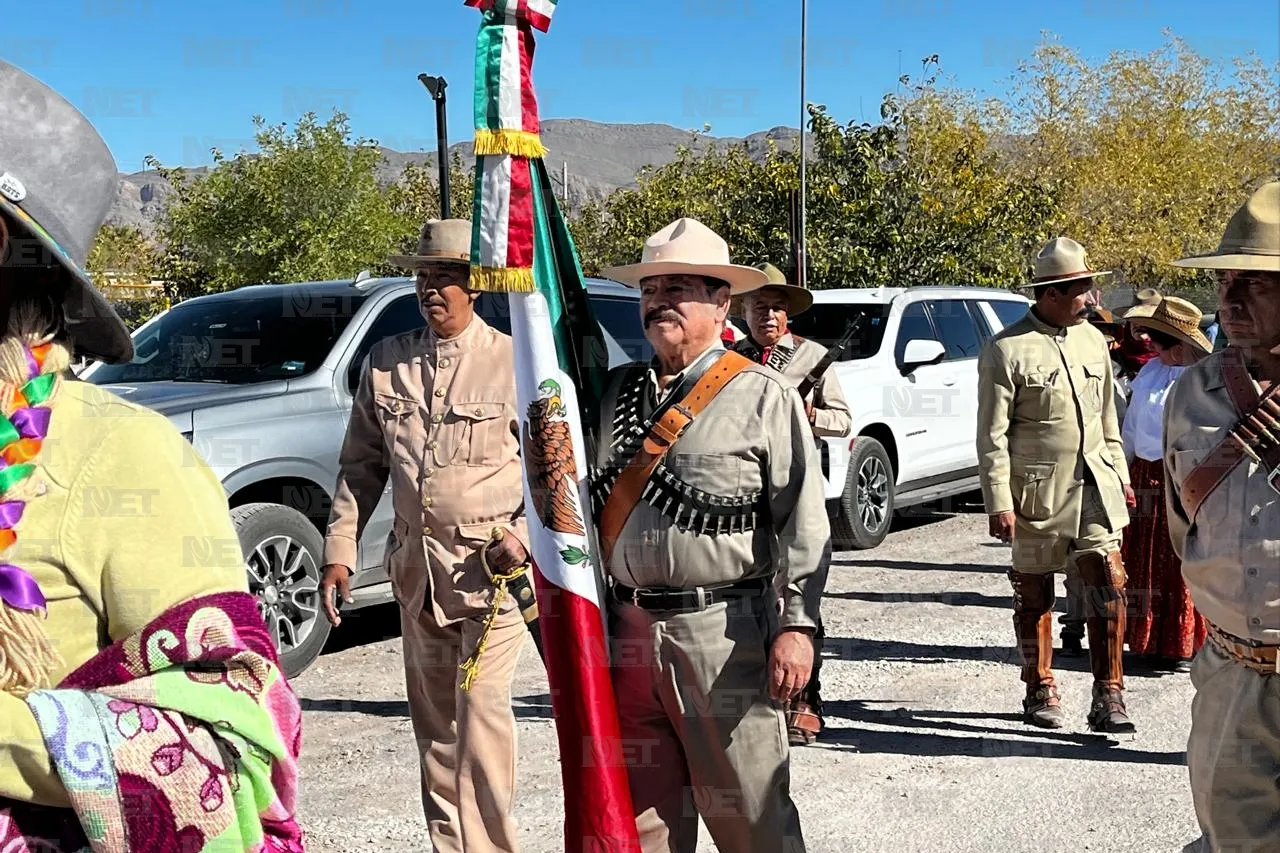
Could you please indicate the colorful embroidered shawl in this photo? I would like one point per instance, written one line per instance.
(183, 737)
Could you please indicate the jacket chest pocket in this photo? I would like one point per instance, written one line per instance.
(482, 430)
(397, 416)
(1040, 395)
(1089, 390)
(716, 473)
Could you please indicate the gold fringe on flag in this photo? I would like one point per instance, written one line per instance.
(518, 143)
(503, 279)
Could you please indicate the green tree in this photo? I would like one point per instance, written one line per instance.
(121, 257)
(306, 206)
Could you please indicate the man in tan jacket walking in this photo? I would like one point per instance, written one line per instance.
(435, 414)
(1055, 481)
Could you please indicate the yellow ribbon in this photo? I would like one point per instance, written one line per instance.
(471, 666)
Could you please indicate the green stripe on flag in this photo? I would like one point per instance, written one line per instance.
(489, 69)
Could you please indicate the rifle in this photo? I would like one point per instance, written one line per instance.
(837, 349)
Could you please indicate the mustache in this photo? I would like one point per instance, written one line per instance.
(658, 314)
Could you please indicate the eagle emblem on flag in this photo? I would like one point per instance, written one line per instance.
(553, 473)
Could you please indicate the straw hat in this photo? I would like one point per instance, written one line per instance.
(799, 299)
(687, 247)
(442, 241)
(1179, 318)
(1061, 260)
(1252, 237)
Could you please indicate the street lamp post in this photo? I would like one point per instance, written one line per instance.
(436, 86)
(803, 254)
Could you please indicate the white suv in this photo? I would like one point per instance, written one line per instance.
(911, 379)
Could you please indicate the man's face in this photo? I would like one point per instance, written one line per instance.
(1250, 303)
(1069, 306)
(766, 315)
(443, 295)
(679, 311)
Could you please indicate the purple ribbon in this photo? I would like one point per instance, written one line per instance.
(11, 513)
(19, 589)
(33, 366)
(31, 423)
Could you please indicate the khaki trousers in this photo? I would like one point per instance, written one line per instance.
(1233, 754)
(466, 740)
(1036, 553)
(701, 733)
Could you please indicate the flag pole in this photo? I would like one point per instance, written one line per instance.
(803, 254)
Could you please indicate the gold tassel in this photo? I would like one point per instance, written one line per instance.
(27, 657)
(471, 666)
(518, 143)
(503, 279)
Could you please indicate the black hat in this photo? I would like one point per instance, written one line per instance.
(57, 182)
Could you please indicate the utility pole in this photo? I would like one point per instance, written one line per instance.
(436, 86)
(802, 256)
(564, 182)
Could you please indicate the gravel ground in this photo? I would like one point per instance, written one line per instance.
(923, 749)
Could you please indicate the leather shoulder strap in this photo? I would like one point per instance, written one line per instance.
(1235, 446)
(626, 491)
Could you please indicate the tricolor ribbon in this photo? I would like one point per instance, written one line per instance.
(506, 138)
(23, 428)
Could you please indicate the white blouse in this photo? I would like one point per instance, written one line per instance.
(1143, 428)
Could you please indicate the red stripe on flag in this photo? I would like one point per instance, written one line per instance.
(520, 216)
(528, 98)
(598, 813)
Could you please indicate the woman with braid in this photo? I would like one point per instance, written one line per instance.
(142, 706)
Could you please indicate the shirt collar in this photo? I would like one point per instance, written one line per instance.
(675, 380)
(470, 338)
(1045, 328)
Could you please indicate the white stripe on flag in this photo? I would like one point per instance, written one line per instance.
(510, 87)
(536, 361)
(542, 7)
(495, 204)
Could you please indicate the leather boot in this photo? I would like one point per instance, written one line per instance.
(1033, 623)
(1104, 580)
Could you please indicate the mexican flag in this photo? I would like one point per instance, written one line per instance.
(521, 245)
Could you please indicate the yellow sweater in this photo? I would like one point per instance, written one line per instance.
(124, 532)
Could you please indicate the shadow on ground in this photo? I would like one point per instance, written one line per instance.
(535, 707)
(970, 733)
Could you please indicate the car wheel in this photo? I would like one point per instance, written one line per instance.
(866, 506)
(283, 551)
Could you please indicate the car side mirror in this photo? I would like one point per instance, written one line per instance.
(920, 352)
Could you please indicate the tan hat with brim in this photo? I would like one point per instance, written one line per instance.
(1252, 237)
(442, 241)
(687, 247)
(799, 299)
(1147, 300)
(1179, 318)
(1061, 260)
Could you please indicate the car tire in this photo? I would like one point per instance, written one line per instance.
(283, 550)
(866, 505)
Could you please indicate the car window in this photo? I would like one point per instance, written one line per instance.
(402, 315)
(955, 324)
(915, 326)
(826, 322)
(1009, 311)
(622, 318)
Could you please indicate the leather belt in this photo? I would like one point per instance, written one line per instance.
(1264, 659)
(687, 600)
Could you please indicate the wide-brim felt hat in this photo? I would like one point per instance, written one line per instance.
(799, 299)
(58, 181)
(1178, 318)
(687, 247)
(441, 241)
(1062, 260)
(1251, 240)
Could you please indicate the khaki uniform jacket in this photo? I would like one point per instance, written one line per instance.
(753, 437)
(794, 357)
(438, 419)
(1231, 550)
(1046, 415)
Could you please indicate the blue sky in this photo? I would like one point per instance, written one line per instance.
(174, 77)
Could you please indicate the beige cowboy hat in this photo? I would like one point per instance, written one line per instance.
(687, 247)
(1144, 305)
(799, 299)
(1179, 318)
(1252, 237)
(442, 241)
(1062, 259)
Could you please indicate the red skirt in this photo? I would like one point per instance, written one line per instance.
(1161, 621)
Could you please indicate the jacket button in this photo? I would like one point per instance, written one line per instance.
(437, 418)
(427, 473)
(426, 501)
(439, 392)
(1253, 573)
(426, 531)
(444, 362)
(434, 445)
(479, 411)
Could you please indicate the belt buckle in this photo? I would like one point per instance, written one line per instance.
(703, 596)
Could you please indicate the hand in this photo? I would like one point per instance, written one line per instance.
(1002, 524)
(505, 553)
(790, 663)
(335, 575)
(1130, 499)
